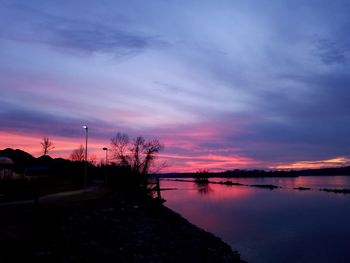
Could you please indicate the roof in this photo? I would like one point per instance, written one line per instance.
(5, 160)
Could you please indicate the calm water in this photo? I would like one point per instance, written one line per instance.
(282, 225)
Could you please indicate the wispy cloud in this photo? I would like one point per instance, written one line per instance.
(229, 79)
(330, 52)
(57, 30)
(22, 120)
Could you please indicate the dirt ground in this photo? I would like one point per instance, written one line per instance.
(104, 226)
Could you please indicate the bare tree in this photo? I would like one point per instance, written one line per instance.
(137, 155)
(47, 145)
(92, 159)
(78, 154)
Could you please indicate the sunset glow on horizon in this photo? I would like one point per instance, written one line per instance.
(223, 86)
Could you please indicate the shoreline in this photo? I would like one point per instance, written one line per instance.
(105, 226)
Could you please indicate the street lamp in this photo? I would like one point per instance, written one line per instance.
(86, 142)
(106, 149)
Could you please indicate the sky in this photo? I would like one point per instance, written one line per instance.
(222, 84)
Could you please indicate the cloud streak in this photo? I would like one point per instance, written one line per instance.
(335, 162)
(68, 33)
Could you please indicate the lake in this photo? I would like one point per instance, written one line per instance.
(280, 225)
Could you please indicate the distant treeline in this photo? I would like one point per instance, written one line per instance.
(234, 173)
(326, 171)
(264, 173)
(26, 163)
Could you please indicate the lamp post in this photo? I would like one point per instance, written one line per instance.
(86, 142)
(106, 149)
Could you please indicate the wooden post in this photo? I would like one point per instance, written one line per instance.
(158, 190)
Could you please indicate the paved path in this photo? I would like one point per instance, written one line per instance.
(54, 197)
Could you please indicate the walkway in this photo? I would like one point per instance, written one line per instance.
(55, 197)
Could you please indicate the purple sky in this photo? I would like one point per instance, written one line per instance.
(224, 84)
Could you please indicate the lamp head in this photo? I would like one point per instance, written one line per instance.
(85, 127)
(105, 148)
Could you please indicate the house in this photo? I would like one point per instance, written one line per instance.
(6, 167)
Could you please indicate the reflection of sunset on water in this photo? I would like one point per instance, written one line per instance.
(216, 192)
(266, 225)
(328, 181)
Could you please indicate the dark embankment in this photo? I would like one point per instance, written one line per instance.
(336, 191)
(108, 227)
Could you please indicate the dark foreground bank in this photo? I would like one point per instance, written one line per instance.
(105, 227)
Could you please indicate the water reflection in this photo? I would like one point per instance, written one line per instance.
(203, 189)
(270, 226)
(318, 182)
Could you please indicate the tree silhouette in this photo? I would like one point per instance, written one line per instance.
(137, 155)
(78, 154)
(47, 145)
(202, 176)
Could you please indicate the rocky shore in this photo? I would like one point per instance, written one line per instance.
(105, 227)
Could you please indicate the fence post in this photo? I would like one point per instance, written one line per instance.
(158, 190)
